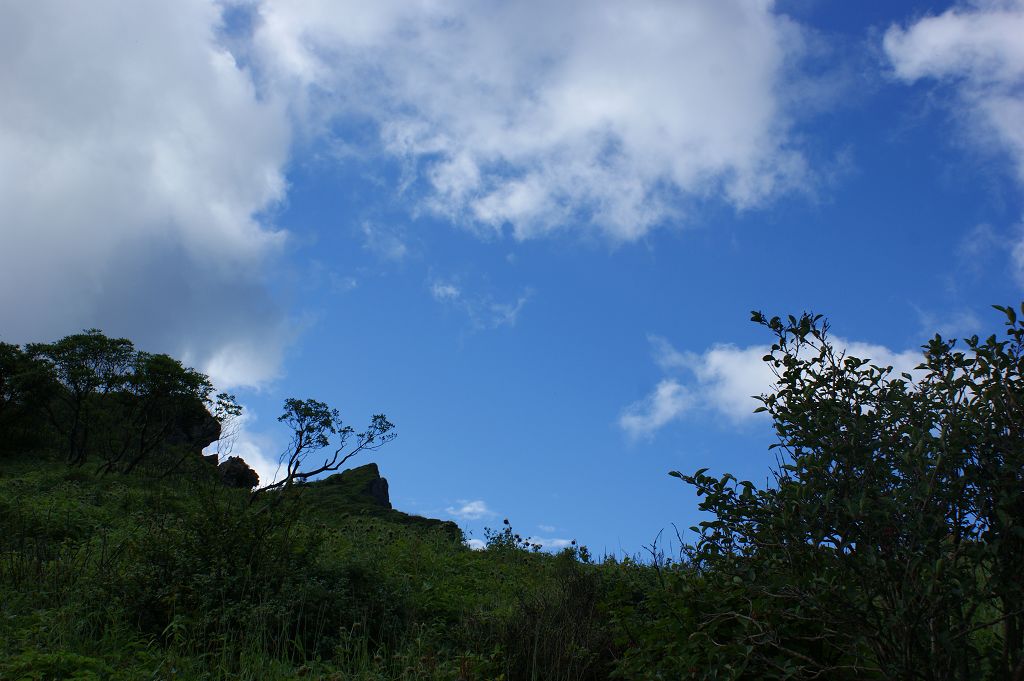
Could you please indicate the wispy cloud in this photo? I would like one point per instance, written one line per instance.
(502, 314)
(951, 324)
(483, 311)
(445, 291)
(386, 242)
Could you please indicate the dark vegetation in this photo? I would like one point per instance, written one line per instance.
(889, 544)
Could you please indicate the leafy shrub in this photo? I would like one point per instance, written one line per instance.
(890, 543)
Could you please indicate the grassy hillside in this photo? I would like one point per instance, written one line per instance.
(129, 577)
(335, 499)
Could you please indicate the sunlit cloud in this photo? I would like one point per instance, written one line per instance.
(470, 510)
(726, 380)
(538, 116)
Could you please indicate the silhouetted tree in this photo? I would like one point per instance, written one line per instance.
(122, 405)
(24, 387)
(314, 425)
(159, 397)
(891, 542)
(83, 365)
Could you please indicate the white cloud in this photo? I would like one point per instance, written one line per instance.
(536, 114)
(550, 542)
(667, 402)
(976, 47)
(546, 528)
(470, 510)
(726, 379)
(1018, 257)
(476, 544)
(135, 156)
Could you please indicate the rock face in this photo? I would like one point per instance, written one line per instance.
(364, 481)
(378, 489)
(194, 428)
(234, 472)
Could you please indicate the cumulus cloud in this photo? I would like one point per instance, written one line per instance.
(476, 544)
(667, 402)
(135, 157)
(977, 48)
(725, 379)
(535, 114)
(470, 510)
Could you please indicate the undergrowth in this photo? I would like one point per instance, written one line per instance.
(128, 577)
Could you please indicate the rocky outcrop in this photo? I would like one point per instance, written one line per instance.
(362, 492)
(194, 428)
(235, 472)
(364, 481)
(378, 490)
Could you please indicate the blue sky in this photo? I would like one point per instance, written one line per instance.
(530, 233)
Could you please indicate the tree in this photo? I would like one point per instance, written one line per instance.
(24, 386)
(125, 406)
(891, 542)
(83, 365)
(228, 413)
(159, 396)
(314, 424)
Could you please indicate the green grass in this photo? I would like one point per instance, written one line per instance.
(135, 577)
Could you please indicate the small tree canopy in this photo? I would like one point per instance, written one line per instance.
(315, 426)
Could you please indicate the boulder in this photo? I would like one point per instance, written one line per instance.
(235, 472)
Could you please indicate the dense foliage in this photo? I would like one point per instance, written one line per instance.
(98, 398)
(887, 546)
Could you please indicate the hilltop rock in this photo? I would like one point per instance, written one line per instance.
(362, 492)
(235, 472)
(364, 481)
